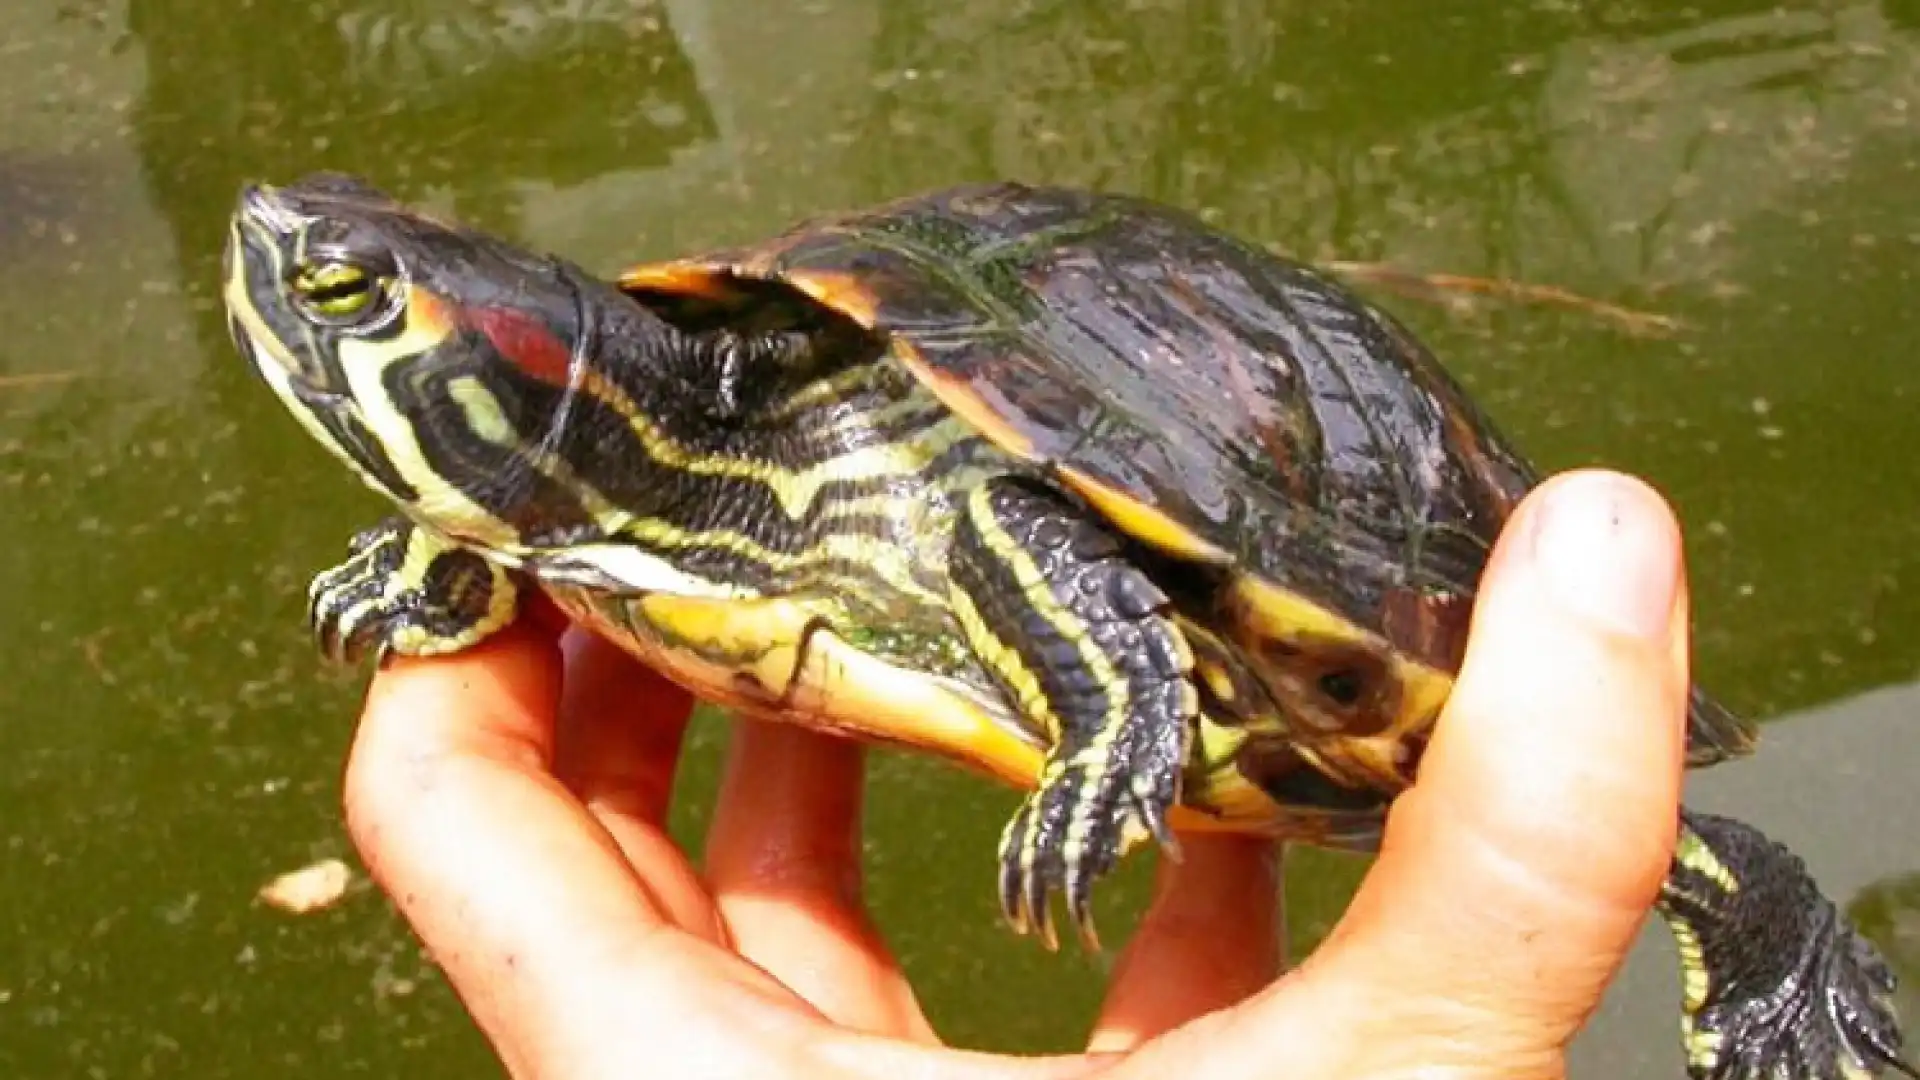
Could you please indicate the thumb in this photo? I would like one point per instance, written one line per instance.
(1515, 874)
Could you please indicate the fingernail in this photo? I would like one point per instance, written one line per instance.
(1608, 551)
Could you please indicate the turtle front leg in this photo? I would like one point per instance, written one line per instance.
(1778, 985)
(406, 591)
(1082, 642)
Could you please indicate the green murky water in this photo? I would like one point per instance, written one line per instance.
(169, 742)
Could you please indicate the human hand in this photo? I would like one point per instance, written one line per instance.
(511, 801)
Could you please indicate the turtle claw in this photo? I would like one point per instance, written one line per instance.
(345, 602)
(1153, 817)
(1834, 1021)
(1025, 885)
(403, 591)
(1064, 839)
(1779, 983)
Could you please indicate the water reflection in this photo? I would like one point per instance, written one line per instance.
(467, 106)
(467, 101)
(1564, 140)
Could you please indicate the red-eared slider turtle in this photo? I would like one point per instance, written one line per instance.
(1068, 487)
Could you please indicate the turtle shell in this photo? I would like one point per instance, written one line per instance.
(1220, 404)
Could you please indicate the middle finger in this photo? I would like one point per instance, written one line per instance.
(617, 748)
(783, 859)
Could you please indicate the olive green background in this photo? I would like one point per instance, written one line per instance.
(168, 741)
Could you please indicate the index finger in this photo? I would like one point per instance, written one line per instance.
(510, 882)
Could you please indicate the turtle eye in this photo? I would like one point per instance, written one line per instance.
(336, 293)
(1343, 687)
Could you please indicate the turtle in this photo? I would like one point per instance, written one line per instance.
(1068, 487)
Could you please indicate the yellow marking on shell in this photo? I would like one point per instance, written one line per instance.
(839, 688)
(1140, 521)
(1264, 612)
(956, 395)
(1279, 614)
(677, 276)
(841, 679)
(1693, 853)
(763, 638)
(842, 292)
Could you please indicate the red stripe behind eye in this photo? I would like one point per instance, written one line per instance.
(525, 342)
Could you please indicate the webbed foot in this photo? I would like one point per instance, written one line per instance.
(405, 591)
(1082, 641)
(1778, 985)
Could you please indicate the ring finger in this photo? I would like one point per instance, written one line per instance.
(1211, 938)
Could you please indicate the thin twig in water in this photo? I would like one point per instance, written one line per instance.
(36, 378)
(1644, 323)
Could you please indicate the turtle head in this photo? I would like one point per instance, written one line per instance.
(439, 362)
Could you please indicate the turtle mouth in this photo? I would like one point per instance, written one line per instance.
(315, 398)
(293, 378)
(250, 350)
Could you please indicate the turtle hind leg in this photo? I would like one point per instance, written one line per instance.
(1778, 985)
(1084, 645)
(403, 590)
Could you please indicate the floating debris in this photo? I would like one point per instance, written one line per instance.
(1642, 323)
(36, 378)
(308, 889)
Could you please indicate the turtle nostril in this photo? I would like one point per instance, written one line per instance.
(262, 204)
